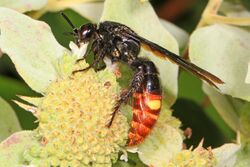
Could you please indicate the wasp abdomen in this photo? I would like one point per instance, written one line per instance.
(146, 106)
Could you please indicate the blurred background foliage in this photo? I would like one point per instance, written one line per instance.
(192, 107)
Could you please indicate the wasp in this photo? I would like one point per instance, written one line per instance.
(121, 44)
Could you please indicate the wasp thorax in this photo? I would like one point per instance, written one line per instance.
(72, 123)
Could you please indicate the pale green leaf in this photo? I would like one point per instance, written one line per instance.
(225, 52)
(23, 5)
(91, 11)
(8, 120)
(180, 35)
(234, 10)
(56, 6)
(163, 143)
(245, 122)
(32, 48)
(160, 146)
(247, 79)
(65, 65)
(243, 159)
(226, 155)
(12, 149)
(224, 106)
(32, 100)
(1, 53)
(141, 18)
(27, 107)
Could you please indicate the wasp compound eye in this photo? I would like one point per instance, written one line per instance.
(85, 32)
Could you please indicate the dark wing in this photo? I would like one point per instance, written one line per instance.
(166, 54)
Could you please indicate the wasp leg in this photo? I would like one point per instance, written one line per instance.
(84, 56)
(124, 97)
(92, 47)
(81, 59)
(101, 68)
(101, 54)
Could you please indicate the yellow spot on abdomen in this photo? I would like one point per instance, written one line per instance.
(154, 104)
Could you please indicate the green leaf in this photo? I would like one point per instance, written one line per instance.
(246, 4)
(225, 107)
(190, 89)
(133, 161)
(141, 18)
(32, 48)
(226, 155)
(12, 149)
(8, 120)
(224, 51)
(9, 89)
(23, 5)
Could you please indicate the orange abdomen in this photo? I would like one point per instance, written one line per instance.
(146, 109)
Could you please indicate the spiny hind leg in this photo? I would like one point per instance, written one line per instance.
(135, 85)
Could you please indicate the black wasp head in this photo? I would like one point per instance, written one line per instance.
(83, 34)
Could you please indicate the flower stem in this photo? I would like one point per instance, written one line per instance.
(211, 9)
(212, 19)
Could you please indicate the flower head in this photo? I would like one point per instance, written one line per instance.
(198, 157)
(73, 116)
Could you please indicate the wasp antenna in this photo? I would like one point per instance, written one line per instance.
(69, 33)
(68, 20)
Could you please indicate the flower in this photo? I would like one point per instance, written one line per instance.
(198, 157)
(72, 116)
